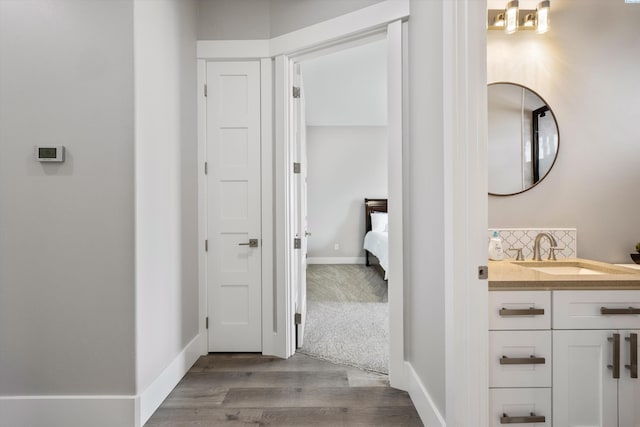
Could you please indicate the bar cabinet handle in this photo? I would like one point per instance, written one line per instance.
(616, 355)
(532, 418)
(521, 311)
(531, 360)
(633, 355)
(630, 310)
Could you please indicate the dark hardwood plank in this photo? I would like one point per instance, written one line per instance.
(204, 417)
(200, 380)
(349, 397)
(298, 362)
(331, 417)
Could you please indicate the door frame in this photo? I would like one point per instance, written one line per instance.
(273, 54)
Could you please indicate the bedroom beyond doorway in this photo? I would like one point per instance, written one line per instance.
(347, 316)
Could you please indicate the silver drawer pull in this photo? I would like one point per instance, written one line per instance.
(532, 418)
(630, 310)
(531, 360)
(521, 311)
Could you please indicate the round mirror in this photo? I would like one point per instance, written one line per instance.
(523, 138)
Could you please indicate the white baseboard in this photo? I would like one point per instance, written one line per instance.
(429, 414)
(335, 260)
(98, 411)
(151, 398)
(67, 411)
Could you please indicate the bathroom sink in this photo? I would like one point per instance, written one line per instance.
(573, 268)
(566, 269)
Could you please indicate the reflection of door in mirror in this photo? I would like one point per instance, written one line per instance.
(523, 138)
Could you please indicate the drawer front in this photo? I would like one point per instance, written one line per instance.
(583, 309)
(510, 359)
(515, 403)
(510, 310)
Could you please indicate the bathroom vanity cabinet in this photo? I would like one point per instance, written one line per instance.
(595, 358)
(563, 356)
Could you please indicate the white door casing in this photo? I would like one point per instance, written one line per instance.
(300, 200)
(233, 206)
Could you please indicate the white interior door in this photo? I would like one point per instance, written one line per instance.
(300, 197)
(233, 207)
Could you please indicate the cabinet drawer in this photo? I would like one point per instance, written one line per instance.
(520, 402)
(583, 309)
(509, 310)
(510, 361)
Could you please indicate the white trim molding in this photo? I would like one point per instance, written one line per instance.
(421, 399)
(372, 18)
(152, 397)
(335, 260)
(465, 212)
(99, 411)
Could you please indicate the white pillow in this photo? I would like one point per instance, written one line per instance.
(379, 221)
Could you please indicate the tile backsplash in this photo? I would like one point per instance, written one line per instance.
(524, 238)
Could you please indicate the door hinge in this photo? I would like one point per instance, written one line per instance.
(205, 90)
(296, 167)
(206, 168)
(206, 322)
(297, 318)
(206, 245)
(483, 272)
(297, 243)
(296, 92)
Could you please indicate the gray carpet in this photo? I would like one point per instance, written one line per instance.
(347, 316)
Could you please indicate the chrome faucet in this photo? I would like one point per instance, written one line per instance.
(536, 245)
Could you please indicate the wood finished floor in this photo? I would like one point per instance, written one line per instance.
(252, 390)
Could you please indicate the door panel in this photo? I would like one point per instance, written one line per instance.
(233, 206)
(584, 392)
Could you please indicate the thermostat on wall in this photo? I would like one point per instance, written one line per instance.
(49, 153)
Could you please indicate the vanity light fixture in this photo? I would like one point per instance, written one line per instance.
(542, 17)
(513, 19)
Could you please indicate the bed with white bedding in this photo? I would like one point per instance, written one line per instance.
(376, 239)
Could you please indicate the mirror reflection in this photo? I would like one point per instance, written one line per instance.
(523, 138)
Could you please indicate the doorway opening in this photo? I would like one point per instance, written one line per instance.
(340, 136)
(287, 67)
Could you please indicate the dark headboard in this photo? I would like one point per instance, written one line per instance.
(373, 205)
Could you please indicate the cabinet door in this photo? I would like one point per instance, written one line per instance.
(629, 387)
(584, 391)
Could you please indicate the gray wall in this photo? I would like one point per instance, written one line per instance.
(233, 19)
(337, 185)
(263, 19)
(589, 77)
(166, 183)
(66, 230)
(424, 203)
(290, 15)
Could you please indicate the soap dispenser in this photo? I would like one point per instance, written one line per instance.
(495, 247)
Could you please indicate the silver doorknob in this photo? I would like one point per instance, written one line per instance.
(306, 233)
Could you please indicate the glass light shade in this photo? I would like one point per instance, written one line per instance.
(542, 17)
(511, 17)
